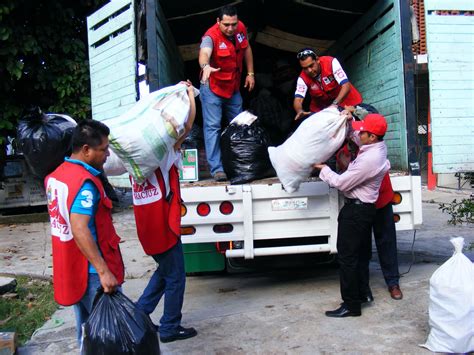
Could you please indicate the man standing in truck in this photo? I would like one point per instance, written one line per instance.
(223, 48)
(360, 184)
(326, 81)
(86, 253)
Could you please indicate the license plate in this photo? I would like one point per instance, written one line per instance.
(290, 204)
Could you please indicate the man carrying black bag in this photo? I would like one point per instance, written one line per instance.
(86, 253)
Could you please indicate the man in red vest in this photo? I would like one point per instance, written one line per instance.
(223, 49)
(157, 208)
(86, 253)
(326, 81)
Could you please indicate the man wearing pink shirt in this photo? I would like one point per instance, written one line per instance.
(360, 184)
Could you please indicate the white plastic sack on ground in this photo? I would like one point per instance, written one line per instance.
(451, 307)
(143, 135)
(315, 141)
(113, 165)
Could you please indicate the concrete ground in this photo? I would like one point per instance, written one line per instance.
(265, 311)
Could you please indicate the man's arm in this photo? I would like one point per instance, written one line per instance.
(204, 58)
(300, 93)
(345, 89)
(250, 78)
(88, 247)
(342, 79)
(192, 114)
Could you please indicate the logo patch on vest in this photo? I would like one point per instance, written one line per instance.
(328, 79)
(57, 193)
(146, 193)
(222, 45)
(240, 37)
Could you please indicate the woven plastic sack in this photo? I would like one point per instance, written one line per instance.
(114, 165)
(315, 141)
(451, 308)
(116, 326)
(142, 136)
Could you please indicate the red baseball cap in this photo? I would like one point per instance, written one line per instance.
(373, 123)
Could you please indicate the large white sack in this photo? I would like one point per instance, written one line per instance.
(315, 141)
(143, 135)
(113, 165)
(451, 308)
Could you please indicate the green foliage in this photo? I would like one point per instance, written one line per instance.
(43, 58)
(33, 307)
(460, 212)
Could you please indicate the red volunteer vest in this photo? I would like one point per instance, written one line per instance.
(385, 193)
(158, 220)
(325, 92)
(229, 58)
(70, 266)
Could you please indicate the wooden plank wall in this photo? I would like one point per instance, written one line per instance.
(450, 43)
(371, 54)
(170, 68)
(112, 59)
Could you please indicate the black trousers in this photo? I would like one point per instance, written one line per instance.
(386, 241)
(354, 237)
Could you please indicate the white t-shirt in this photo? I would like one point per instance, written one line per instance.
(338, 72)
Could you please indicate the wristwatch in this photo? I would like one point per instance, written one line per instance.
(204, 65)
(335, 103)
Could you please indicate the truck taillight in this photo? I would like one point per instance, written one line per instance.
(396, 218)
(223, 246)
(397, 198)
(226, 207)
(203, 209)
(184, 210)
(223, 228)
(188, 230)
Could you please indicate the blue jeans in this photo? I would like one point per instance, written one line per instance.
(214, 108)
(169, 279)
(385, 237)
(83, 308)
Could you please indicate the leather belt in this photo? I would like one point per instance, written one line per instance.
(356, 201)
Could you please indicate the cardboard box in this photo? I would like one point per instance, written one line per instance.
(7, 343)
(190, 169)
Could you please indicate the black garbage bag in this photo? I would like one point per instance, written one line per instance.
(274, 118)
(194, 139)
(244, 153)
(116, 326)
(44, 140)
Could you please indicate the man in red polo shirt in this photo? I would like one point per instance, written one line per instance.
(223, 49)
(326, 82)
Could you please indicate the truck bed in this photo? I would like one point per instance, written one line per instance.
(268, 181)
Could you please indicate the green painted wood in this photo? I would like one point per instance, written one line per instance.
(125, 40)
(116, 54)
(449, 5)
(446, 22)
(450, 42)
(370, 53)
(106, 11)
(111, 95)
(170, 67)
(113, 65)
(114, 24)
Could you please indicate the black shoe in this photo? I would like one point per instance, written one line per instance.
(368, 299)
(343, 312)
(183, 333)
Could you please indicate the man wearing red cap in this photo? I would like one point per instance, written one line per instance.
(360, 184)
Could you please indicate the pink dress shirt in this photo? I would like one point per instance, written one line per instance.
(363, 176)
